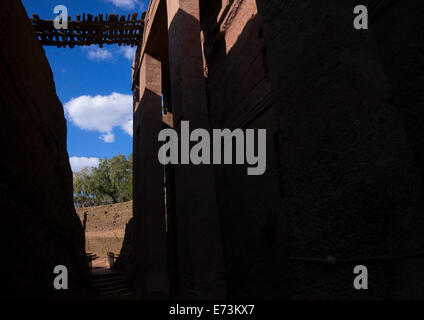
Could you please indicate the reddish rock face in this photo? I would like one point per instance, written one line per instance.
(344, 179)
(104, 229)
(40, 228)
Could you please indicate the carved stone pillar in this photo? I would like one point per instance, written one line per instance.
(201, 268)
(149, 208)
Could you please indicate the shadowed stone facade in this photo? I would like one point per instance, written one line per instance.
(342, 109)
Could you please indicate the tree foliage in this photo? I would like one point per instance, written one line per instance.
(110, 182)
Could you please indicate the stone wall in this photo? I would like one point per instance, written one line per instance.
(40, 228)
(239, 93)
(105, 229)
(349, 148)
(342, 108)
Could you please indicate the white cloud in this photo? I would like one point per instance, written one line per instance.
(127, 4)
(128, 127)
(79, 163)
(128, 52)
(98, 54)
(108, 137)
(101, 113)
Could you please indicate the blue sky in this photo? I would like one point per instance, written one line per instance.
(93, 84)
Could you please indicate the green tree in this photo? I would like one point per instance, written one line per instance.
(82, 188)
(110, 182)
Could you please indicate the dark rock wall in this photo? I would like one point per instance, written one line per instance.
(344, 179)
(348, 104)
(399, 34)
(239, 94)
(39, 228)
(345, 151)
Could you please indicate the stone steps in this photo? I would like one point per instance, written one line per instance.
(112, 285)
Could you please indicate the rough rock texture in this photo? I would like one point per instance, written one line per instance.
(125, 261)
(249, 206)
(348, 109)
(40, 228)
(105, 228)
(344, 179)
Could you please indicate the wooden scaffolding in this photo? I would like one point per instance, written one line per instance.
(89, 30)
